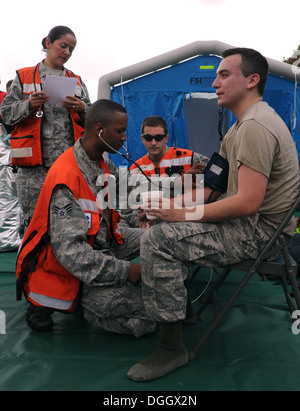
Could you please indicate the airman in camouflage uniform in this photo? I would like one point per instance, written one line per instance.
(56, 133)
(108, 299)
(110, 296)
(263, 184)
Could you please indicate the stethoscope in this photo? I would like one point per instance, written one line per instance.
(127, 157)
(40, 112)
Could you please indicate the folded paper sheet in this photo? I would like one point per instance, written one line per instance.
(57, 88)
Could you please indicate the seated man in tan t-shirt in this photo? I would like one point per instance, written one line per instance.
(263, 183)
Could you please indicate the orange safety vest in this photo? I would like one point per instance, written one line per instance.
(25, 139)
(175, 161)
(41, 278)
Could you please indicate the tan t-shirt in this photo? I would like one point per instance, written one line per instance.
(262, 141)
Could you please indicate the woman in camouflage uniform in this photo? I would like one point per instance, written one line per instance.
(24, 106)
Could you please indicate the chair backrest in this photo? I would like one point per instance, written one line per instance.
(276, 246)
(280, 228)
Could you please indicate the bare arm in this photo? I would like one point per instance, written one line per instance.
(252, 186)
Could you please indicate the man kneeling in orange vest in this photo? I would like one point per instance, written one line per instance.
(74, 250)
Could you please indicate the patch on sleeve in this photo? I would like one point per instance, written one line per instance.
(89, 218)
(64, 211)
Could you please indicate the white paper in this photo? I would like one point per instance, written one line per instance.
(57, 88)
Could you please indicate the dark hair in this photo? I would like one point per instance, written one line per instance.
(252, 62)
(55, 33)
(102, 111)
(154, 121)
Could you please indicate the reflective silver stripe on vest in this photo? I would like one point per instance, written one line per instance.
(51, 302)
(88, 205)
(144, 167)
(21, 152)
(29, 88)
(147, 167)
(176, 161)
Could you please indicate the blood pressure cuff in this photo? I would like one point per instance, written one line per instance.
(216, 173)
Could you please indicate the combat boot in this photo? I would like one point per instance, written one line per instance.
(39, 318)
(170, 354)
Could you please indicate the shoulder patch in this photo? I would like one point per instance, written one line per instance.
(64, 211)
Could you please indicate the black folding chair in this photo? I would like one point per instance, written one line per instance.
(284, 267)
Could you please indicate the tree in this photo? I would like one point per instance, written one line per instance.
(295, 56)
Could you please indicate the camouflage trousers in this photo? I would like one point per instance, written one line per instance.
(29, 184)
(169, 250)
(119, 308)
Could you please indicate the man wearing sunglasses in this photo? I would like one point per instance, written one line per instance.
(160, 159)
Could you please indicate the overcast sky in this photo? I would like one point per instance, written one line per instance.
(112, 34)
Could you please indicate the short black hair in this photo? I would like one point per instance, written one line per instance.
(102, 111)
(154, 121)
(252, 62)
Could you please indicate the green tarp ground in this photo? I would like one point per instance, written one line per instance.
(253, 349)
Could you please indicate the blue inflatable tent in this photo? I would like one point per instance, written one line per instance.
(178, 86)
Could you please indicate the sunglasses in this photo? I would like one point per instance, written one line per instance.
(157, 137)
